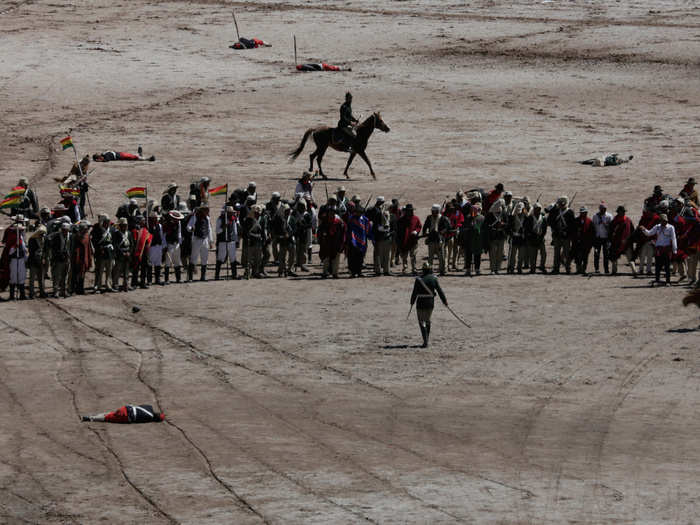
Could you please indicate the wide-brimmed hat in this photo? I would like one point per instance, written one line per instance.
(176, 215)
(408, 206)
(122, 220)
(229, 209)
(172, 185)
(20, 218)
(583, 209)
(435, 207)
(341, 188)
(691, 180)
(23, 181)
(621, 209)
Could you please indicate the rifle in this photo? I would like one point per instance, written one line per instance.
(538, 197)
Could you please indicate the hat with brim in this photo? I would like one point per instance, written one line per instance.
(663, 217)
(122, 220)
(176, 215)
(691, 180)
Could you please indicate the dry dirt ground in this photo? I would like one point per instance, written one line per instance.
(307, 401)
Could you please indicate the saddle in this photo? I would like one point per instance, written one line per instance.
(339, 139)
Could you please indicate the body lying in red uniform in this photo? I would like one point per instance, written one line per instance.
(129, 414)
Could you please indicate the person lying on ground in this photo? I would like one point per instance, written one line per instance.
(108, 156)
(249, 43)
(610, 160)
(128, 414)
(321, 66)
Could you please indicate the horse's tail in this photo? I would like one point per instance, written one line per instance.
(294, 154)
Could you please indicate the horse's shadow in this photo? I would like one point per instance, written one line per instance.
(683, 330)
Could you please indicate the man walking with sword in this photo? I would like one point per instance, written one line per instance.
(424, 289)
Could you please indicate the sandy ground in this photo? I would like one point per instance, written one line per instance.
(300, 401)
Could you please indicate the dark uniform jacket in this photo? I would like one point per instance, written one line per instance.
(424, 290)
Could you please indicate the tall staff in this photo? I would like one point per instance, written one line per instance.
(68, 143)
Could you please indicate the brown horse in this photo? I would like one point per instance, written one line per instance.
(325, 136)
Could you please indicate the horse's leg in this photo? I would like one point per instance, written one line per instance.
(364, 157)
(352, 156)
(319, 158)
(311, 159)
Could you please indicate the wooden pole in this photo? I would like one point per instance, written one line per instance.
(235, 23)
(295, 50)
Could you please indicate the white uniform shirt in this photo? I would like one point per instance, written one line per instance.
(601, 224)
(665, 236)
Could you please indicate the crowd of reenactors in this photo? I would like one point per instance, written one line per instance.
(170, 240)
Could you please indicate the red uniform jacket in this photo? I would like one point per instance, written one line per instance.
(620, 232)
(408, 225)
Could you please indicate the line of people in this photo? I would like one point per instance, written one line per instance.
(174, 238)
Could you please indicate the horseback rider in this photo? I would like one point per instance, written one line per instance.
(346, 122)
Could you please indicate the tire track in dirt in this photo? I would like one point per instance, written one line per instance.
(289, 355)
(241, 502)
(347, 429)
(153, 505)
(333, 451)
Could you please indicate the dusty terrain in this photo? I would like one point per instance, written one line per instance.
(307, 401)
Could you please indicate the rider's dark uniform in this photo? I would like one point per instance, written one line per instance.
(346, 121)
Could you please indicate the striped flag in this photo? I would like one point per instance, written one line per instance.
(16, 192)
(73, 191)
(137, 192)
(10, 202)
(219, 190)
(67, 143)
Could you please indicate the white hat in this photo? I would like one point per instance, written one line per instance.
(380, 199)
(435, 207)
(172, 185)
(251, 183)
(133, 201)
(276, 195)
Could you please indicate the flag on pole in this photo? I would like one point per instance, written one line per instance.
(137, 192)
(10, 202)
(219, 190)
(65, 189)
(67, 143)
(16, 192)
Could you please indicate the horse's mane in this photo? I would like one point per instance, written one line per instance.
(366, 122)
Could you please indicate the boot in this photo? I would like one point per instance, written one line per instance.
(309, 252)
(12, 292)
(157, 272)
(234, 270)
(217, 272)
(149, 274)
(203, 273)
(22, 297)
(424, 335)
(167, 275)
(135, 279)
(178, 273)
(427, 332)
(190, 273)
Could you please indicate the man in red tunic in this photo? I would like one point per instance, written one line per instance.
(621, 230)
(331, 239)
(142, 242)
(408, 228)
(492, 197)
(585, 235)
